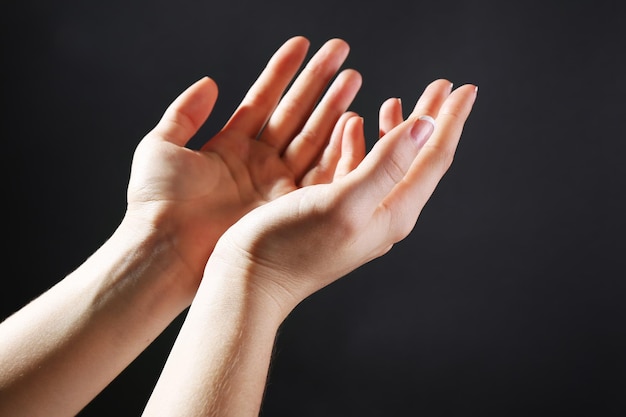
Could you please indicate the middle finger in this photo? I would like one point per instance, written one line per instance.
(296, 106)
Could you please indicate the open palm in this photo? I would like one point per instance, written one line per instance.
(272, 144)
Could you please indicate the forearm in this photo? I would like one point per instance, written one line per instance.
(63, 348)
(220, 360)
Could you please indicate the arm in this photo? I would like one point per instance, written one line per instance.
(282, 252)
(63, 348)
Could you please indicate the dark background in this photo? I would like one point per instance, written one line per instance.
(508, 297)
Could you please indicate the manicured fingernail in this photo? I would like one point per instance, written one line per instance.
(421, 130)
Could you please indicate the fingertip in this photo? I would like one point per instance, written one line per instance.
(339, 41)
(202, 92)
(299, 39)
(469, 87)
(390, 115)
(295, 48)
(441, 83)
(338, 45)
(184, 116)
(351, 76)
(353, 133)
(352, 146)
(466, 93)
(354, 122)
(391, 102)
(433, 96)
(205, 78)
(344, 118)
(340, 126)
(353, 73)
(474, 87)
(207, 83)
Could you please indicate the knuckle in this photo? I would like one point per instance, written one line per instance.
(316, 69)
(292, 108)
(452, 111)
(308, 136)
(441, 156)
(260, 98)
(393, 170)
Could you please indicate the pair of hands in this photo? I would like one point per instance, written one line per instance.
(281, 202)
(286, 186)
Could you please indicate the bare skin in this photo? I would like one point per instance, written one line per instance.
(62, 349)
(282, 252)
(281, 202)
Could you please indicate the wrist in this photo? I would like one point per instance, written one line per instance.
(151, 250)
(185, 237)
(254, 287)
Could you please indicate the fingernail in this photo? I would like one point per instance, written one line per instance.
(422, 128)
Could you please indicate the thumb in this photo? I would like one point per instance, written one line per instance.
(187, 113)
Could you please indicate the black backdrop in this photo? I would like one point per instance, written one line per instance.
(507, 299)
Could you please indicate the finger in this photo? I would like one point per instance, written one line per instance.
(393, 155)
(324, 169)
(298, 103)
(389, 161)
(312, 139)
(431, 99)
(187, 113)
(438, 154)
(433, 160)
(352, 147)
(265, 93)
(390, 116)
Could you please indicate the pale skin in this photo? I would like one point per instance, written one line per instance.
(63, 348)
(280, 203)
(282, 252)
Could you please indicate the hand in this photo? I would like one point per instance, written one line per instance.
(283, 251)
(269, 147)
(302, 241)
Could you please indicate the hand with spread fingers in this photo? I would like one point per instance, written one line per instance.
(282, 201)
(75, 338)
(274, 143)
(280, 253)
